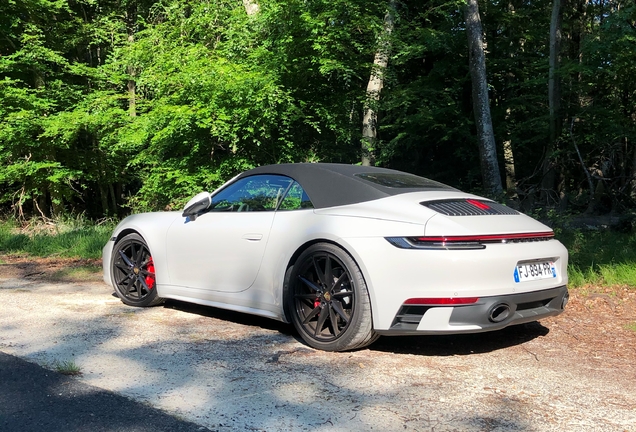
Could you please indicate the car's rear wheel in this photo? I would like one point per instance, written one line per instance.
(328, 300)
(133, 272)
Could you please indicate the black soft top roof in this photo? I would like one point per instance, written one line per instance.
(329, 185)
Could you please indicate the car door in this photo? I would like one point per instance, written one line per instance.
(222, 249)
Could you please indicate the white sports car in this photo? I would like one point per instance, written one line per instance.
(346, 253)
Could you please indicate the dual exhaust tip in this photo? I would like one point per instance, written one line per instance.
(500, 312)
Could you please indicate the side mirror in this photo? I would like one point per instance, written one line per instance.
(197, 204)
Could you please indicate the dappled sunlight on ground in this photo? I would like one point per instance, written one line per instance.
(229, 371)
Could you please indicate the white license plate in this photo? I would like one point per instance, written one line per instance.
(535, 271)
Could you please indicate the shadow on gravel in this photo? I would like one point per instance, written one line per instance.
(249, 380)
(235, 317)
(464, 344)
(425, 345)
(35, 399)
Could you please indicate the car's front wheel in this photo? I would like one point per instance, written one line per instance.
(133, 272)
(328, 300)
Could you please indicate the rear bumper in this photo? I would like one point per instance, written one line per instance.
(487, 314)
(395, 275)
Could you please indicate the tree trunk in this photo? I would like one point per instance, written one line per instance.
(592, 202)
(554, 98)
(113, 198)
(633, 176)
(481, 105)
(103, 194)
(509, 161)
(119, 194)
(374, 87)
(41, 206)
(554, 93)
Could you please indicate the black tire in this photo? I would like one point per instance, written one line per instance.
(132, 271)
(328, 301)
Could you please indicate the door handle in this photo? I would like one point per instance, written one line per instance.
(253, 237)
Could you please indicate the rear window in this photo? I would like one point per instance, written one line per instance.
(401, 181)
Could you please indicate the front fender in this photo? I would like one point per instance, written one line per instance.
(153, 228)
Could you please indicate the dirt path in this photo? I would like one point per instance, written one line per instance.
(229, 371)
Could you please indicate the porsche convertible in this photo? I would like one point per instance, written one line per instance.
(345, 253)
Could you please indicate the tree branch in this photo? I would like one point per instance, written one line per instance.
(578, 152)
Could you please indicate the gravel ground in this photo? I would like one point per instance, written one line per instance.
(227, 371)
(34, 399)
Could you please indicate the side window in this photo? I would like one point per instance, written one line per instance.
(249, 194)
(296, 199)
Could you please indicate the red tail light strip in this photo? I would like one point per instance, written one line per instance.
(485, 237)
(441, 301)
(465, 242)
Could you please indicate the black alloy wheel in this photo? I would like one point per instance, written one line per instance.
(133, 272)
(329, 302)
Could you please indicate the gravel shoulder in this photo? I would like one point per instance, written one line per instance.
(228, 371)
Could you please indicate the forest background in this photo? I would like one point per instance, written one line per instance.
(109, 107)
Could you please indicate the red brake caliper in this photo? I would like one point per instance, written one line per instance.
(316, 302)
(150, 279)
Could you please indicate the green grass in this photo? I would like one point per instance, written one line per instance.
(68, 367)
(631, 326)
(600, 257)
(74, 238)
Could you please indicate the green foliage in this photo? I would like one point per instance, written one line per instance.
(426, 127)
(600, 256)
(112, 107)
(578, 278)
(48, 149)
